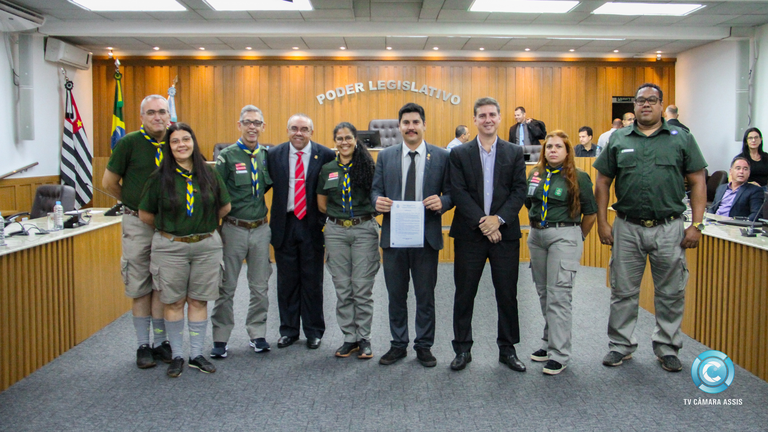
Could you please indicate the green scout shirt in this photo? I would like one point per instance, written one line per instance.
(649, 170)
(133, 159)
(329, 184)
(234, 166)
(204, 217)
(557, 199)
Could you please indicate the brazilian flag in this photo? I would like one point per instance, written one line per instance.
(118, 125)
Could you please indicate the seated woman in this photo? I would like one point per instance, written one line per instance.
(738, 198)
(184, 200)
(752, 151)
(562, 210)
(351, 238)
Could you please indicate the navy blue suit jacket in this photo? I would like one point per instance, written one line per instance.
(388, 182)
(748, 201)
(509, 188)
(280, 172)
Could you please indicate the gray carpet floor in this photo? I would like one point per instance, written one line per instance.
(96, 385)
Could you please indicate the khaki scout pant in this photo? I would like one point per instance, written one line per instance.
(134, 264)
(632, 246)
(555, 256)
(251, 245)
(353, 261)
(181, 270)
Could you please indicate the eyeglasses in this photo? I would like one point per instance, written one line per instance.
(753, 138)
(295, 129)
(653, 100)
(348, 138)
(248, 123)
(151, 113)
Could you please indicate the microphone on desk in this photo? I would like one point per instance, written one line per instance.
(750, 231)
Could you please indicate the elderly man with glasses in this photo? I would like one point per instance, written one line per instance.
(649, 161)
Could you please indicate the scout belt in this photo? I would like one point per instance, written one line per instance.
(647, 223)
(537, 224)
(128, 211)
(194, 238)
(246, 224)
(346, 223)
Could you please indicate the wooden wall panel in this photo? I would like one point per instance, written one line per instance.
(210, 93)
(18, 194)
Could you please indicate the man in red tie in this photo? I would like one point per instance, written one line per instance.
(297, 235)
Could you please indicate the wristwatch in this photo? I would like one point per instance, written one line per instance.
(501, 221)
(698, 225)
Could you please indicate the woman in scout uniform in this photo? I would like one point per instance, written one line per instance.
(184, 200)
(562, 210)
(351, 237)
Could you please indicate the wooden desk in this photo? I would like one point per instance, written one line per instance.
(726, 299)
(56, 290)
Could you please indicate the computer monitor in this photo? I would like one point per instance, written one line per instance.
(369, 138)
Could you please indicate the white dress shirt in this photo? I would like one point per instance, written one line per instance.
(292, 158)
(420, 160)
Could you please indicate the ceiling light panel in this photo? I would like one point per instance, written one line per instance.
(523, 6)
(674, 9)
(132, 6)
(262, 5)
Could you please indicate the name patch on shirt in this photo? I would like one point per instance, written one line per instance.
(240, 168)
(333, 176)
(558, 192)
(628, 150)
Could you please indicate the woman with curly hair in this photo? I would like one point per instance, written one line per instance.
(351, 237)
(562, 210)
(184, 200)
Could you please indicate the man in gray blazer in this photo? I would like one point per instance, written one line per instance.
(412, 171)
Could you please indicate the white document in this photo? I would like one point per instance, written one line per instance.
(406, 224)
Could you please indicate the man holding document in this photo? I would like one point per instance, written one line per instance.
(411, 189)
(488, 185)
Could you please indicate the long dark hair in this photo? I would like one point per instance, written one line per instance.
(361, 174)
(167, 171)
(568, 171)
(745, 146)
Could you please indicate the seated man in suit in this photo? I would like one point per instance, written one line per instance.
(412, 171)
(738, 198)
(526, 131)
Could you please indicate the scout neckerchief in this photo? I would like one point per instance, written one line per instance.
(190, 192)
(158, 146)
(546, 194)
(254, 166)
(346, 192)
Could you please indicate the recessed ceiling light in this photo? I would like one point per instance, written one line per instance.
(571, 50)
(615, 50)
(133, 5)
(435, 48)
(658, 52)
(248, 48)
(109, 48)
(342, 48)
(587, 39)
(156, 48)
(482, 49)
(202, 48)
(262, 5)
(295, 47)
(389, 48)
(675, 9)
(527, 49)
(523, 6)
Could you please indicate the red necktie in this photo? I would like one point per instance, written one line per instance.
(300, 193)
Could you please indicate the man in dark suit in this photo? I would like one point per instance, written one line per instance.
(526, 131)
(738, 198)
(412, 171)
(488, 187)
(297, 234)
(671, 113)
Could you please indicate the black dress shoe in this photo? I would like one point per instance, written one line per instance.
(286, 341)
(313, 343)
(393, 355)
(512, 361)
(461, 360)
(425, 357)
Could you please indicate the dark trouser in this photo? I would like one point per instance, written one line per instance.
(300, 281)
(400, 264)
(468, 267)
